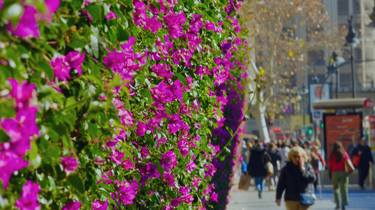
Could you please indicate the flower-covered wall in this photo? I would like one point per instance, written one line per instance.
(110, 104)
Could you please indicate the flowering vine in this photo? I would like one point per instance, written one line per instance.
(111, 105)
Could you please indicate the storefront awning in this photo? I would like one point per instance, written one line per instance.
(344, 103)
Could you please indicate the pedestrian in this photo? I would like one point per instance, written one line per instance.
(283, 150)
(275, 160)
(295, 180)
(340, 178)
(365, 160)
(316, 160)
(257, 166)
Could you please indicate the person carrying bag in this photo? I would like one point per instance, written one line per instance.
(340, 166)
(295, 178)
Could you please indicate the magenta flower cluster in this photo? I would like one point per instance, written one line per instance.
(27, 26)
(21, 130)
(155, 141)
(63, 65)
(69, 163)
(29, 197)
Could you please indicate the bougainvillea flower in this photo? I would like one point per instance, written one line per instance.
(196, 23)
(177, 90)
(29, 197)
(168, 160)
(175, 24)
(126, 117)
(210, 26)
(176, 124)
(74, 205)
(149, 171)
(183, 146)
(61, 69)
(21, 92)
(117, 156)
(1, 4)
(99, 205)
(128, 191)
(196, 182)
(144, 152)
(210, 170)
(75, 60)
(62, 65)
(214, 197)
(21, 129)
(10, 163)
(128, 164)
(169, 179)
(153, 24)
(162, 70)
(70, 164)
(141, 129)
(51, 7)
(162, 93)
(191, 166)
(185, 195)
(111, 16)
(139, 15)
(27, 26)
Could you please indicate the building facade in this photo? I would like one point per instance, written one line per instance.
(364, 53)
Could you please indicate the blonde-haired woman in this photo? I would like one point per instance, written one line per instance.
(295, 178)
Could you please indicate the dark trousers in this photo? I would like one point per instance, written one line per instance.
(362, 175)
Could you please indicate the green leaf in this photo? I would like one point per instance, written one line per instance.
(76, 182)
(122, 34)
(3, 137)
(181, 78)
(76, 4)
(34, 157)
(97, 12)
(77, 41)
(7, 109)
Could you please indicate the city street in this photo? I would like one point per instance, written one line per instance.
(248, 200)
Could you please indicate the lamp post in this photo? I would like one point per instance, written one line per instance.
(334, 63)
(351, 39)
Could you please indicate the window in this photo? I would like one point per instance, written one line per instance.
(345, 81)
(316, 57)
(343, 7)
(358, 54)
(357, 6)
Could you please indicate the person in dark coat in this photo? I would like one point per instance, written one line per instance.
(295, 178)
(275, 160)
(257, 166)
(364, 151)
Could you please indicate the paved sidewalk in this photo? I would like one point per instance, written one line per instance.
(248, 200)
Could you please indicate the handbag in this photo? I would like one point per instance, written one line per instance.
(244, 183)
(307, 198)
(269, 169)
(356, 159)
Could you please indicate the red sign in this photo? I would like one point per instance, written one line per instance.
(344, 128)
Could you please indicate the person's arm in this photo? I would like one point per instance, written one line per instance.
(322, 160)
(308, 174)
(281, 185)
(371, 159)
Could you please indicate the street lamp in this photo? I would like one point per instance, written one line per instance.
(352, 40)
(333, 64)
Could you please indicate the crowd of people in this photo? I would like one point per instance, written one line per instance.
(292, 169)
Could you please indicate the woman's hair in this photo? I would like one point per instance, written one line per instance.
(317, 143)
(271, 146)
(315, 148)
(337, 151)
(295, 151)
